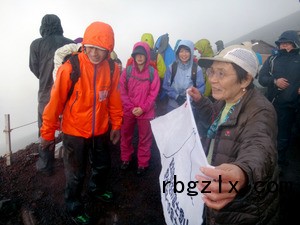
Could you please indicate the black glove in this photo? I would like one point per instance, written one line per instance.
(180, 99)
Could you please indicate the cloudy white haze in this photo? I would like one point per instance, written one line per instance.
(189, 19)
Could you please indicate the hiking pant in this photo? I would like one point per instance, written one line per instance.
(285, 119)
(43, 99)
(145, 140)
(77, 152)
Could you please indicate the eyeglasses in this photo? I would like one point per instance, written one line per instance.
(220, 74)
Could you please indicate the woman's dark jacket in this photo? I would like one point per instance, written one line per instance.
(248, 140)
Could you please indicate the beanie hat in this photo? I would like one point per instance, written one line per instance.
(139, 50)
(241, 55)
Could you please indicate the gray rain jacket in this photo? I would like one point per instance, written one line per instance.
(42, 53)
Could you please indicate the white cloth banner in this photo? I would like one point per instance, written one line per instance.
(181, 155)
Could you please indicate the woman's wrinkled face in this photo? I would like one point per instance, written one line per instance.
(96, 55)
(224, 82)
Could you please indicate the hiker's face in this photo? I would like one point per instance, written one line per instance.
(184, 55)
(96, 55)
(140, 59)
(224, 82)
(288, 46)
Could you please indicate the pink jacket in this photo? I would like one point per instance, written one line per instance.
(138, 90)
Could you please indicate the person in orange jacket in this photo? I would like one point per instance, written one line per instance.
(94, 106)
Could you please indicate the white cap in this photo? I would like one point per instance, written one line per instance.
(241, 55)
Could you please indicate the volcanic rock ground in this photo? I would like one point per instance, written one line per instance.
(27, 197)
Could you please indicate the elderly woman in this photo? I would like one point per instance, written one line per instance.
(240, 143)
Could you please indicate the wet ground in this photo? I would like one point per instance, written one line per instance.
(290, 184)
(29, 198)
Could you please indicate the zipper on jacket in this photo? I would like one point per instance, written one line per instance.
(76, 94)
(95, 101)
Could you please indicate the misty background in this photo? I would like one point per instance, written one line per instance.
(232, 21)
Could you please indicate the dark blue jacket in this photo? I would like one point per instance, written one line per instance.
(286, 65)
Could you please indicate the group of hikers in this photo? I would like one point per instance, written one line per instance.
(85, 94)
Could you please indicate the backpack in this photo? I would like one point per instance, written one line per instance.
(129, 70)
(75, 74)
(194, 73)
(153, 58)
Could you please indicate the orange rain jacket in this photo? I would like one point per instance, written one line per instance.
(95, 101)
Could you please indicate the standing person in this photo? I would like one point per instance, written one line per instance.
(139, 89)
(281, 75)
(204, 48)
(94, 103)
(220, 46)
(158, 60)
(41, 64)
(240, 143)
(175, 86)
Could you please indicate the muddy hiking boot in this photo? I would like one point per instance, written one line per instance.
(81, 219)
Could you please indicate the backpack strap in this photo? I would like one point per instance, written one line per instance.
(151, 69)
(194, 74)
(174, 70)
(111, 67)
(74, 74)
(128, 72)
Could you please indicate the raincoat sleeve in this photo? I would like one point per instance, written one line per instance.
(57, 101)
(265, 79)
(127, 104)
(171, 92)
(200, 81)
